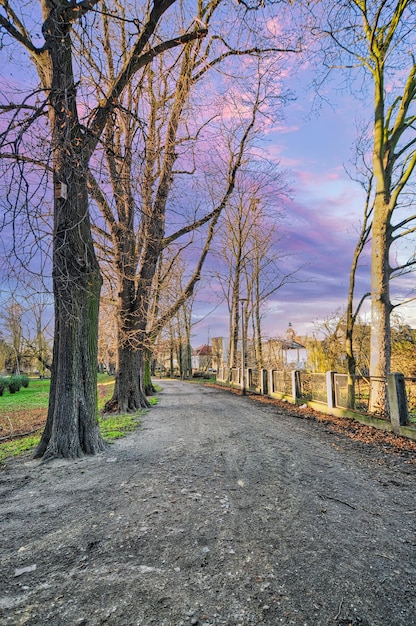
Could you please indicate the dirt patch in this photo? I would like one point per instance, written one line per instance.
(222, 510)
(17, 423)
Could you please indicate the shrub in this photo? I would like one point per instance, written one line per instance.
(14, 384)
(25, 380)
(3, 385)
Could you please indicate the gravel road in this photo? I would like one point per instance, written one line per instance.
(219, 511)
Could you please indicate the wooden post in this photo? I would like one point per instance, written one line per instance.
(271, 385)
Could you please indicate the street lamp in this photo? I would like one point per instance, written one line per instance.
(243, 349)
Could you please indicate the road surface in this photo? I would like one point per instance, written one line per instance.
(218, 511)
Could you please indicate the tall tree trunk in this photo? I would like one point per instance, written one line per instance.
(235, 310)
(129, 393)
(72, 422)
(257, 316)
(234, 329)
(380, 349)
(148, 387)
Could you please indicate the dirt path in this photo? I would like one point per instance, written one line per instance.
(219, 511)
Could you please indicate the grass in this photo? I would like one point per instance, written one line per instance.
(117, 426)
(18, 446)
(31, 403)
(35, 396)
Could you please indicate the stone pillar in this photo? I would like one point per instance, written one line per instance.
(330, 389)
(271, 386)
(264, 382)
(295, 384)
(396, 389)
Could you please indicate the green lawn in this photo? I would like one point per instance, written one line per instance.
(36, 396)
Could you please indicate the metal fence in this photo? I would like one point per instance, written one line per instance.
(318, 388)
(361, 388)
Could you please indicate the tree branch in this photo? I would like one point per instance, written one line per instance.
(136, 61)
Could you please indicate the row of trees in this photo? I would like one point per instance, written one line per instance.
(144, 119)
(122, 105)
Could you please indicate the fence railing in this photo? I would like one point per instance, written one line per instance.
(253, 379)
(319, 389)
(282, 381)
(361, 389)
(330, 391)
(411, 397)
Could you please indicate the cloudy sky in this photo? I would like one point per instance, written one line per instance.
(321, 221)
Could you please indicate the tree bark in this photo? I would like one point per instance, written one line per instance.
(72, 423)
(129, 394)
(380, 350)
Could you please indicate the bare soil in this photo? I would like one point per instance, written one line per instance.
(220, 510)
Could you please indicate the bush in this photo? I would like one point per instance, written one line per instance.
(25, 380)
(14, 383)
(3, 385)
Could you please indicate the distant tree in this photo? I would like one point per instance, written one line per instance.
(4, 353)
(11, 319)
(25, 317)
(39, 340)
(403, 358)
(328, 352)
(169, 284)
(107, 327)
(251, 265)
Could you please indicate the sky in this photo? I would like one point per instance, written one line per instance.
(321, 217)
(321, 220)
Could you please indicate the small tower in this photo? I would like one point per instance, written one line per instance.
(290, 333)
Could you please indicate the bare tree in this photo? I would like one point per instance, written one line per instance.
(377, 37)
(352, 313)
(12, 323)
(252, 267)
(151, 145)
(72, 424)
(170, 283)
